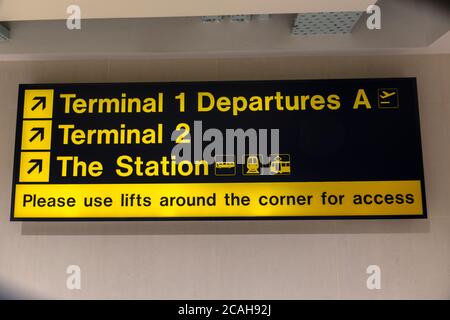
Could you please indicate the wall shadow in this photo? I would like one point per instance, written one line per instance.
(225, 227)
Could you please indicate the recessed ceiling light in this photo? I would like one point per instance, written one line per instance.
(236, 18)
(262, 17)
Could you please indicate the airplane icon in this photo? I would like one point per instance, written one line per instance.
(388, 98)
(386, 94)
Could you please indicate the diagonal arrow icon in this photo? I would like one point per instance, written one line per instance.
(39, 133)
(39, 101)
(37, 163)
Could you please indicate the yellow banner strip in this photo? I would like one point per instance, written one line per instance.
(178, 200)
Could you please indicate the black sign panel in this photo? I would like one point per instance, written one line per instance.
(219, 150)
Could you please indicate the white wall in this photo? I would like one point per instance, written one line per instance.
(253, 259)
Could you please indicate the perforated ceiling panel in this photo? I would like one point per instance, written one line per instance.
(315, 23)
(240, 18)
(234, 18)
(4, 33)
(215, 19)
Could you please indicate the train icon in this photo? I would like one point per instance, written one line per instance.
(251, 165)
